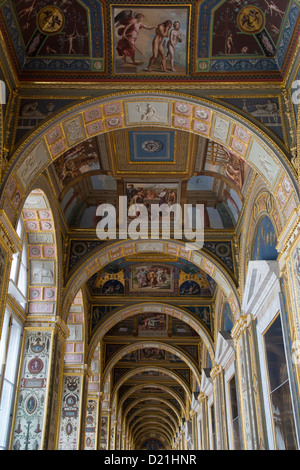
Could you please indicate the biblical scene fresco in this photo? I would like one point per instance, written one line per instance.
(152, 324)
(150, 40)
(202, 312)
(151, 277)
(148, 193)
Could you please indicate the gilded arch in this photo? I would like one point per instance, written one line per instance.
(105, 254)
(162, 400)
(154, 427)
(128, 311)
(118, 111)
(138, 370)
(158, 387)
(146, 414)
(151, 344)
(156, 421)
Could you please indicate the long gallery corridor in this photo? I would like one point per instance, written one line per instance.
(116, 334)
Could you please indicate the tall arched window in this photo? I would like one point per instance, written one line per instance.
(11, 334)
(19, 268)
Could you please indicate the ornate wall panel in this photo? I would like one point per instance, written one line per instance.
(69, 428)
(32, 398)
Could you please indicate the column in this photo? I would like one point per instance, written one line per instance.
(73, 408)
(92, 421)
(202, 398)
(289, 273)
(35, 420)
(248, 375)
(217, 374)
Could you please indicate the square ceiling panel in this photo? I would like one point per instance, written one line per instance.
(152, 146)
(137, 152)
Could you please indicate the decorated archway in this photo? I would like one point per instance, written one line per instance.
(123, 111)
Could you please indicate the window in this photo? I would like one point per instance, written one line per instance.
(235, 425)
(9, 361)
(18, 272)
(279, 388)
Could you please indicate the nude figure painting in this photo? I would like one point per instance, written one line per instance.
(150, 40)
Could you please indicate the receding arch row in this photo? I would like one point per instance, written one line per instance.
(128, 375)
(157, 387)
(106, 323)
(160, 429)
(144, 413)
(105, 254)
(162, 400)
(157, 417)
(178, 111)
(158, 426)
(151, 344)
(164, 388)
(157, 421)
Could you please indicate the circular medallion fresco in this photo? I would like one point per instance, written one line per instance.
(251, 19)
(152, 146)
(35, 365)
(50, 20)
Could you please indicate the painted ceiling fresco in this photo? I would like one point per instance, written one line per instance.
(86, 176)
(87, 37)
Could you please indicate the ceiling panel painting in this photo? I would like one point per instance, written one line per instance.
(65, 36)
(139, 151)
(151, 147)
(243, 36)
(150, 42)
(138, 37)
(265, 109)
(33, 110)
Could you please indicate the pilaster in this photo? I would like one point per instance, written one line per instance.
(243, 334)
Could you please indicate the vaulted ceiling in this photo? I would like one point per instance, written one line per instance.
(220, 40)
(67, 51)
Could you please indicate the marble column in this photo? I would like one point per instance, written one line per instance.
(73, 408)
(35, 421)
(248, 375)
(217, 374)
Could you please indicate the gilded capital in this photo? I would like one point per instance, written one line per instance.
(216, 370)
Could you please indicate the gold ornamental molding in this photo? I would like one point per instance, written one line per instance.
(240, 326)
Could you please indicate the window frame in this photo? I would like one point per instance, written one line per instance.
(13, 321)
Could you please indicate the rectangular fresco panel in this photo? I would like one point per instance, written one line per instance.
(149, 278)
(150, 40)
(158, 193)
(156, 146)
(152, 324)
